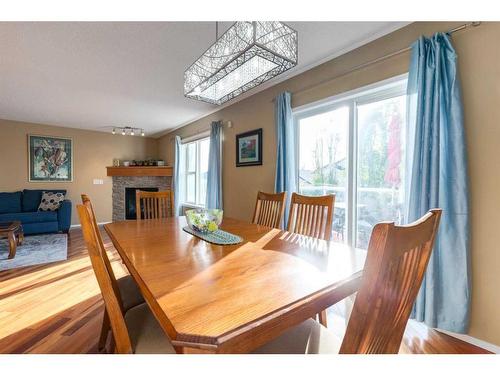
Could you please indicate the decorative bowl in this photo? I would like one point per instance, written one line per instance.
(204, 221)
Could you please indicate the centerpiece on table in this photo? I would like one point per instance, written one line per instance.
(205, 224)
(204, 221)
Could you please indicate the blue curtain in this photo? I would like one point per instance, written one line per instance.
(285, 143)
(214, 178)
(179, 181)
(438, 178)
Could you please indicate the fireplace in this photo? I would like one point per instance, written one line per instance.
(130, 201)
(123, 202)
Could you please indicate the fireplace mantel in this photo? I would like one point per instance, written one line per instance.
(140, 171)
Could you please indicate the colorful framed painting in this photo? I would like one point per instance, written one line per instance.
(249, 148)
(50, 159)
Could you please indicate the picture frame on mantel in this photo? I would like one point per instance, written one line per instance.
(249, 148)
(50, 159)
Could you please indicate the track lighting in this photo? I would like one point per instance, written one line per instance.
(128, 130)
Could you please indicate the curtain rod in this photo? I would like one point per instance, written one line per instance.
(382, 58)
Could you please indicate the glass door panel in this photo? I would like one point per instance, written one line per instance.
(323, 161)
(380, 165)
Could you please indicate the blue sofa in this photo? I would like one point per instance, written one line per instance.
(23, 206)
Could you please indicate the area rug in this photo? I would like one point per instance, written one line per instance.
(45, 248)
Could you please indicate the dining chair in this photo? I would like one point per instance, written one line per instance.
(126, 289)
(269, 209)
(136, 330)
(154, 204)
(312, 216)
(396, 261)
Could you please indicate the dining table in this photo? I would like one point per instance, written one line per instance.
(233, 298)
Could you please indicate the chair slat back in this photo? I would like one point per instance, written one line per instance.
(111, 299)
(395, 267)
(269, 209)
(87, 203)
(311, 216)
(154, 205)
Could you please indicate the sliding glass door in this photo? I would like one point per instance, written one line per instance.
(354, 146)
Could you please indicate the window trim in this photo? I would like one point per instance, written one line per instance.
(378, 91)
(196, 137)
(369, 89)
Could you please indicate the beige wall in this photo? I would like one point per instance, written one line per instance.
(479, 66)
(92, 152)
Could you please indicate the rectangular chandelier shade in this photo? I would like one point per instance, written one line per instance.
(246, 55)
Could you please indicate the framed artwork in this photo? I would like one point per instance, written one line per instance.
(50, 159)
(249, 148)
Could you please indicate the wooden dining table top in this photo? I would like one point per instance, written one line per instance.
(233, 298)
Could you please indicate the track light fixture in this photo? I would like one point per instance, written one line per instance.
(128, 130)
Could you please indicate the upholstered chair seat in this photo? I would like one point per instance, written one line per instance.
(309, 337)
(146, 335)
(129, 291)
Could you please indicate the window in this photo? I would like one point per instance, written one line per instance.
(196, 156)
(353, 146)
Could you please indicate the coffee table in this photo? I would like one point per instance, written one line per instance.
(13, 230)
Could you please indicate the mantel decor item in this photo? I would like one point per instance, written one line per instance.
(249, 148)
(139, 163)
(50, 159)
(246, 55)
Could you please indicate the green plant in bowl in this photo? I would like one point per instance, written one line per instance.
(204, 221)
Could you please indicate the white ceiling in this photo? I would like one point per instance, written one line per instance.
(102, 74)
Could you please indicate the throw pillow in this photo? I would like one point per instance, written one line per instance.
(50, 201)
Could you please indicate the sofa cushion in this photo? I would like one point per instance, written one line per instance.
(30, 217)
(32, 198)
(50, 201)
(39, 228)
(10, 202)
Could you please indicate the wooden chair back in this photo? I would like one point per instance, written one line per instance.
(87, 203)
(394, 269)
(269, 209)
(155, 204)
(111, 298)
(311, 216)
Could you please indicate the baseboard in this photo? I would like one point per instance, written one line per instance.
(79, 225)
(474, 341)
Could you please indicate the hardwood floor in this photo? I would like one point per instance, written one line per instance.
(57, 308)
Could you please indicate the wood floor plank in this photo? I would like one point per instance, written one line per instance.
(57, 308)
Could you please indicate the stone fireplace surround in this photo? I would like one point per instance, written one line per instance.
(121, 182)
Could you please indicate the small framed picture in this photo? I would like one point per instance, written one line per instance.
(50, 159)
(249, 148)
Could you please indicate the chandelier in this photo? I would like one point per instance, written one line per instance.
(246, 55)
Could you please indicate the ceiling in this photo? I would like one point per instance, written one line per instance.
(96, 75)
